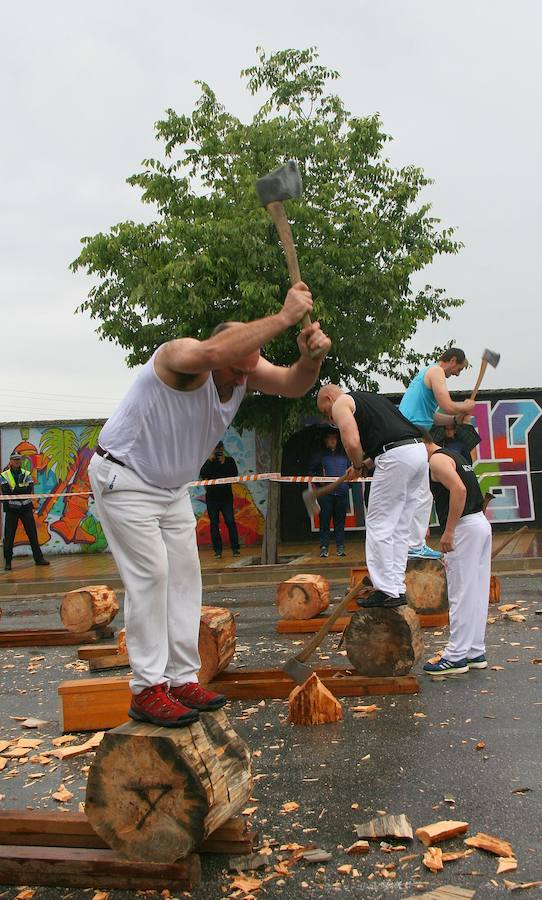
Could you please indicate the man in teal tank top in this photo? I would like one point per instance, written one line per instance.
(427, 393)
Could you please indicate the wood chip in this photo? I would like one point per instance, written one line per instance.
(62, 795)
(440, 831)
(34, 723)
(432, 859)
(492, 844)
(512, 886)
(359, 847)
(385, 826)
(506, 864)
(291, 806)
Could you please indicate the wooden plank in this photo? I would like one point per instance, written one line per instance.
(88, 868)
(446, 892)
(50, 637)
(435, 620)
(304, 626)
(109, 661)
(90, 651)
(95, 704)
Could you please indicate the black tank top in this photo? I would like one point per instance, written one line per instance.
(380, 422)
(441, 494)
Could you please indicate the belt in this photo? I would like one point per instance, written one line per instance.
(107, 455)
(394, 444)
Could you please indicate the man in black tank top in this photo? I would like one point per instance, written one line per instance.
(373, 430)
(466, 543)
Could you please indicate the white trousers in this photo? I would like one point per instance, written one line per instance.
(152, 534)
(468, 571)
(421, 513)
(392, 498)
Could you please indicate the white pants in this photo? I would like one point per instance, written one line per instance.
(421, 513)
(396, 480)
(152, 535)
(468, 571)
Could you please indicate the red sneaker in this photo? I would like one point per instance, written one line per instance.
(195, 696)
(155, 704)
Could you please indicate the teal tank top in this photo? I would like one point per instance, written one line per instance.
(419, 404)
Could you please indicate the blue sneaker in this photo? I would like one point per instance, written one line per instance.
(477, 662)
(424, 552)
(445, 667)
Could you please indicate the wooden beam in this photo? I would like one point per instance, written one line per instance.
(436, 620)
(304, 626)
(51, 637)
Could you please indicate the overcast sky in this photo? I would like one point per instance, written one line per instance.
(457, 84)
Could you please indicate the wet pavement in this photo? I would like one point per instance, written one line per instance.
(416, 754)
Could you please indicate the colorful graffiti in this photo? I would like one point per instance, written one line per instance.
(502, 461)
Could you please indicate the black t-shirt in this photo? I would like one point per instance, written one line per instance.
(441, 494)
(215, 469)
(380, 422)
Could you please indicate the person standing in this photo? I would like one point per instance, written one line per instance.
(219, 498)
(16, 481)
(425, 393)
(452, 442)
(370, 424)
(466, 543)
(331, 460)
(152, 446)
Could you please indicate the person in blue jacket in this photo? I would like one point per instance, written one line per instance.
(332, 460)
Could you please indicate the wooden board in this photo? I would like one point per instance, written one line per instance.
(446, 892)
(304, 626)
(50, 637)
(108, 661)
(436, 620)
(94, 704)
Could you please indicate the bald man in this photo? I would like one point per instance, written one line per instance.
(373, 430)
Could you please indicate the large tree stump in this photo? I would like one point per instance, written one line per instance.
(217, 634)
(88, 607)
(302, 596)
(383, 641)
(312, 703)
(426, 588)
(155, 793)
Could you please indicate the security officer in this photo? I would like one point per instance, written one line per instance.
(13, 481)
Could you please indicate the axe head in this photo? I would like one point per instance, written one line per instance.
(310, 502)
(491, 357)
(281, 184)
(297, 670)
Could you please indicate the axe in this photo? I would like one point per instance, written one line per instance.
(310, 497)
(488, 357)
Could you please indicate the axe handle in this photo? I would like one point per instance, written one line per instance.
(315, 642)
(278, 214)
(329, 488)
(508, 539)
(481, 374)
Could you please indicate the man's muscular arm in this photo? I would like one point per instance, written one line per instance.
(297, 379)
(436, 380)
(342, 412)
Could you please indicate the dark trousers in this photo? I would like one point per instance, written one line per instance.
(214, 508)
(332, 506)
(26, 515)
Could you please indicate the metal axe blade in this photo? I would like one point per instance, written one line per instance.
(491, 357)
(281, 184)
(310, 501)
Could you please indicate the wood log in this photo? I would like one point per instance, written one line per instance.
(88, 607)
(217, 634)
(440, 831)
(382, 641)
(494, 589)
(121, 642)
(154, 793)
(426, 587)
(312, 704)
(302, 597)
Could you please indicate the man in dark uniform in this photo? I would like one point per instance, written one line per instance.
(15, 481)
(370, 424)
(219, 498)
(466, 543)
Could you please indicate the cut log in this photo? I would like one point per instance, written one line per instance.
(302, 597)
(494, 589)
(383, 641)
(216, 641)
(121, 642)
(492, 844)
(426, 588)
(312, 704)
(385, 826)
(155, 793)
(440, 831)
(88, 607)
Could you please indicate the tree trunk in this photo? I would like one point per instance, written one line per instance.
(383, 641)
(312, 703)
(426, 588)
(272, 518)
(216, 641)
(155, 793)
(302, 596)
(88, 607)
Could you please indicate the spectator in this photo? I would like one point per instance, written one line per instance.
(16, 481)
(452, 442)
(219, 498)
(332, 460)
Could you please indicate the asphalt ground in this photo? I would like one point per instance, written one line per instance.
(416, 755)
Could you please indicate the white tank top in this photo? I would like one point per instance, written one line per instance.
(165, 435)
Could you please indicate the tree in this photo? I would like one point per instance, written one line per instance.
(211, 253)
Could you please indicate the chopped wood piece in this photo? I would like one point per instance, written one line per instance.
(433, 859)
(440, 831)
(383, 641)
(312, 704)
(302, 596)
(217, 635)
(316, 856)
(359, 847)
(494, 589)
(121, 642)
(506, 864)
(87, 607)
(492, 844)
(385, 826)
(446, 892)
(69, 752)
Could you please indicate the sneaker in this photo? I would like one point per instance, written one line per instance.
(324, 551)
(237, 553)
(195, 696)
(7, 567)
(155, 704)
(477, 662)
(424, 552)
(380, 598)
(445, 667)
(218, 556)
(42, 562)
(341, 551)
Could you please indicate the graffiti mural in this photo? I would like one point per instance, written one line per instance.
(502, 461)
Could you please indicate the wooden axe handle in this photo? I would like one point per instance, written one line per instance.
(278, 214)
(315, 642)
(481, 374)
(329, 488)
(507, 541)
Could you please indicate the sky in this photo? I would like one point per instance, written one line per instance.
(457, 85)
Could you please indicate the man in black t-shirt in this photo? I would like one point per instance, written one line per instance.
(466, 543)
(373, 430)
(219, 498)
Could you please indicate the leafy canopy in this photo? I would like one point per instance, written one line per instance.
(211, 253)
